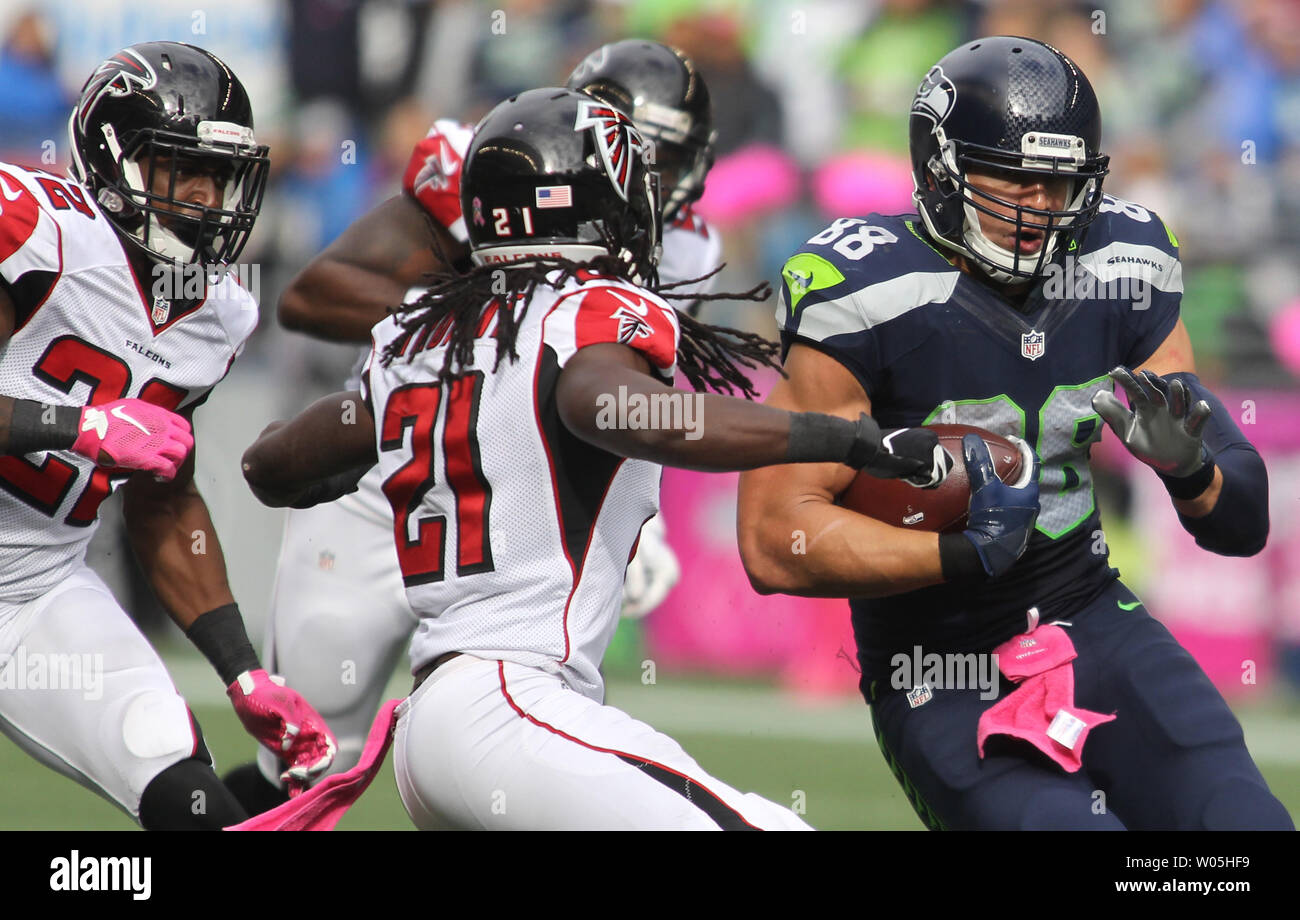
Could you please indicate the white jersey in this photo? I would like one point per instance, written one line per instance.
(692, 247)
(87, 330)
(513, 534)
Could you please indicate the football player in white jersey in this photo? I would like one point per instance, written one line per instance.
(519, 414)
(112, 330)
(339, 619)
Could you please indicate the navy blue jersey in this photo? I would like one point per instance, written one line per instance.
(932, 345)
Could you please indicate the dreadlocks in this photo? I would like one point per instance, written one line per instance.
(707, 356)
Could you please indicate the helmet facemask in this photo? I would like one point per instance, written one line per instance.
(1044, 155)
(151, 165)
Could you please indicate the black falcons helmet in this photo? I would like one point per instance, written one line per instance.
(152, 115)
(662, 92)
(1017, 108)
(553, 172)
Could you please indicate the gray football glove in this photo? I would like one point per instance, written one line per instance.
(1161, 429)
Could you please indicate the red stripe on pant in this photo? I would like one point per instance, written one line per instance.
(726, 816)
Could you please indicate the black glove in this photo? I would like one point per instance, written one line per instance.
(911, 454)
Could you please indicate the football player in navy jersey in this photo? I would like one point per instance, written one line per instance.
(1014, 301)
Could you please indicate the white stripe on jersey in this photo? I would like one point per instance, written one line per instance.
(869, 305)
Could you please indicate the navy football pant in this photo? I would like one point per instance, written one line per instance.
(1173, 759)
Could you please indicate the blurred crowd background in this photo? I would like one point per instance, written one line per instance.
(1201, 114)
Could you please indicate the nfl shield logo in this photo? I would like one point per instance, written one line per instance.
(919, 696)
(161, 308)
(1031, 345)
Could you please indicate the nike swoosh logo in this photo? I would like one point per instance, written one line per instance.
(4, 187)
(118, 413)
(1132, 606)
(639, 307)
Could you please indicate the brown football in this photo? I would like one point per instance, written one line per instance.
(942, 509)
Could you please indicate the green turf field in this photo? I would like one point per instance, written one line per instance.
(819, 757)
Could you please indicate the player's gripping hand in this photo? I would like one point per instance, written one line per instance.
(1001, 517)
(286, 724)
(135, 435)
(652, 573)
(1163, 428)
(911, 454)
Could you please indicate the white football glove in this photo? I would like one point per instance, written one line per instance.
(652, 573)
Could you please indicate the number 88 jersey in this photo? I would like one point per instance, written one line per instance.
(87, 330)
(930, 344)
(513, 535)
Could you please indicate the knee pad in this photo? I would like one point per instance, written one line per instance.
(158, 724)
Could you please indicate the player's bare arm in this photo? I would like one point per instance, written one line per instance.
(172, 534)
(171, 531)
(349, 287)
(7, 316)
(728, 433)
(317, 457)
(847, 554)
(1215, 477)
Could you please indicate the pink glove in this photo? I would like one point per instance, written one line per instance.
(135, 435)
(285, 724)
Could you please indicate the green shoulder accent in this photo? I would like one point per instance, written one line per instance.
(1172, 239)
(804, 272)
(1132, 605)
(912, 226)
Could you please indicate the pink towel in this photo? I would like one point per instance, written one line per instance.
(1034, 652)
(321, 806)
(1041, 710)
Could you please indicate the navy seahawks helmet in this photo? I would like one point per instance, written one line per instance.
(1018, 109)
(665, 96)
(554, 172)
(147, 117)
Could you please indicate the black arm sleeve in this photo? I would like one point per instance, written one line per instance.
(1238, 525)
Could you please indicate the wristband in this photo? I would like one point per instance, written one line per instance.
(818, 438)
(331, 488)
(959, 559)
(220, 635)
(31, 429)
(1188, 487)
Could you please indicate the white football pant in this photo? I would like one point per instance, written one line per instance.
(84, 692)
(494, 745)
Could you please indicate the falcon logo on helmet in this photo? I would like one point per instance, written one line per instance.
(617, 141)
(665, 96)
(122, 74)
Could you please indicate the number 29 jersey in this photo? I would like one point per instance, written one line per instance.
(88, 331)
(513, 535)
(932, 345)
